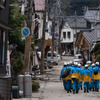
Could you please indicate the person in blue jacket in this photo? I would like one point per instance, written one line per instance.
(63, 69)
(92, 83)
(81, 70)
(75, 76)
(96, 77)
(86, 78)
(90, 67)
(68, 79)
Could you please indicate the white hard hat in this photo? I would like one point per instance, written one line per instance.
(65, 63)
(75, 63)
(86, 66)
(70, 62)
(88, 62)
(97, 63)
(93, 65)
(79, 65)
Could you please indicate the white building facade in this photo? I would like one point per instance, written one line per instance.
(69, 33)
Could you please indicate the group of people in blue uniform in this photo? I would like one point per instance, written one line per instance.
(86, 78)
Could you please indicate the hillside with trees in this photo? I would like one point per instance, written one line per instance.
(70, 6)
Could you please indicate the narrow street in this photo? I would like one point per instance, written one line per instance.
(51, 88)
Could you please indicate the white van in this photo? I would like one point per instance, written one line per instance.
(55, 57)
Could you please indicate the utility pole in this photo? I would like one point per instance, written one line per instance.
(28, 39)
(43, 39)
(53, 30)
(59, 41)
(74, 38)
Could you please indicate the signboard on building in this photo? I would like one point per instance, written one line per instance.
(8, 65)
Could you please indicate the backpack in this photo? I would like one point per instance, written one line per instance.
(66, 73)
(96, 72)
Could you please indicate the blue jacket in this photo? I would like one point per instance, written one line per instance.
(81, 70)
(86, 71)
(86, 75)
(75, 69)
(75, 72)
(91, 69)
(96, 68)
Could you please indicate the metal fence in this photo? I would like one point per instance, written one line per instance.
(5, 88)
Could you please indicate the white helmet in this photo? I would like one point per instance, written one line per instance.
(70, 62)
(88, 62)
(86, 66)
(97, 63)
(75, 63)
(93, 65)
(65, 63)
(79, 65)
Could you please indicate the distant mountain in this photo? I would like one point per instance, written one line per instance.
(70, 6)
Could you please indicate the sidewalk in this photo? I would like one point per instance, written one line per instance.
(26, 99)
(41, 79)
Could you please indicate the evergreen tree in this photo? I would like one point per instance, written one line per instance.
(17, 21)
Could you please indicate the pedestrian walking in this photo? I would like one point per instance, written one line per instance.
(63, 69)
(81, 70)
(96, 76)
(86, 78)
(91, 85)
(67, 79)
(75, 76)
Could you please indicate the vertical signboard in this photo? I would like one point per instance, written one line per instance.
(8, 65)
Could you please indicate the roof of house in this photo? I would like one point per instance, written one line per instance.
(92, 15)
(39, 5)
(76, 22)
(90, 37)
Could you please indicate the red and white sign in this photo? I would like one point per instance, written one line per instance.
(8, 65)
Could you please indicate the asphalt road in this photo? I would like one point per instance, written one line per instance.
(51, 88)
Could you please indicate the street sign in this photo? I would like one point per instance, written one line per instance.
(25, 31)
(56, 35)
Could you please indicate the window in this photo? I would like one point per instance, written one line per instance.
(78, 57)
(54, 54)
(2, 47)
(64, 35)
(68, 34)
(2, 3)
(49, 54)
(74, 35)
(98, 33)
